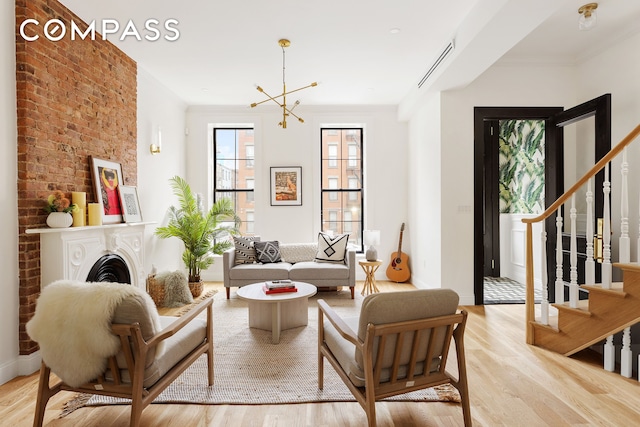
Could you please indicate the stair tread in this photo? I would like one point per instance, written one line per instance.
(617, 289)
(582, 309)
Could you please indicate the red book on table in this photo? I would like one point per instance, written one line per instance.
(279, 290)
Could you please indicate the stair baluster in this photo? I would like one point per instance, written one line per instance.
(609, 354)
(625, 354)
(559, 282)
(590, 265)
(544, 303)
(573, 257)
(606, 231)
(624, 248)
(624, 253)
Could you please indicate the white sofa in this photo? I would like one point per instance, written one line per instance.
(297, 264)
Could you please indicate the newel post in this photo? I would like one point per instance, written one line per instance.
(529, 301)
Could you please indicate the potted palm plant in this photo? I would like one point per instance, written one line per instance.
(201, 232)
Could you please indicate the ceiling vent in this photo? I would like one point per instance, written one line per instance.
(445, 53)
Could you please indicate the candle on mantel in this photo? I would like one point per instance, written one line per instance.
(78, 217)
(95, 216)
(79, 198)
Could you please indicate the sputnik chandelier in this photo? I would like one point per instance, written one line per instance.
(286, 111)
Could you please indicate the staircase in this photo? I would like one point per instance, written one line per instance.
(611, 307)
(605, 313)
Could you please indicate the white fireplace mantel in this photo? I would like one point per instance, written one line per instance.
(70, 253)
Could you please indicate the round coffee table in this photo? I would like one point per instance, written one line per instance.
(277, 312)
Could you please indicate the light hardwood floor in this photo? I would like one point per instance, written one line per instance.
(511, 384)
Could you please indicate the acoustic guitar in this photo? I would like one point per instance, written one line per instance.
(398, 269)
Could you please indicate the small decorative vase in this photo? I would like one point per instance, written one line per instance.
(59, 220)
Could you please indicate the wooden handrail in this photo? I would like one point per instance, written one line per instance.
(529, 300)
(594, 170)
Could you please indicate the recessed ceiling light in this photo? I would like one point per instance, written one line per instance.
(394, 30)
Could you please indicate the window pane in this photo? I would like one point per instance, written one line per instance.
(225, 140)
(250, 157)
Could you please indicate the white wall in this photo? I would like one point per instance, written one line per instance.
(385, 156)
(9, 286)
(425, 196)
(159, 108)
(616, 71)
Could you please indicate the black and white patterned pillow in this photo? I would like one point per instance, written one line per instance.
(332, 248)
(268, 251)
(245, 252)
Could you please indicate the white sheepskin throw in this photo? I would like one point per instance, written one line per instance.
(176, 288)
(72, 325)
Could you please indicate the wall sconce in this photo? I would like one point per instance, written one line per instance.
(371, 239)
(157, 147)
(588, 16)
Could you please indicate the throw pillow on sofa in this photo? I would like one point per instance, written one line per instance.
(245, 251)
(268, 251)
(332, 248)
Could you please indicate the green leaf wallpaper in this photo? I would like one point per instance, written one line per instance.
(521, 166)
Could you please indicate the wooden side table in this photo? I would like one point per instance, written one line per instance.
(370, 268)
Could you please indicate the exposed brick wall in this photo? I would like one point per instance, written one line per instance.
(75, 99)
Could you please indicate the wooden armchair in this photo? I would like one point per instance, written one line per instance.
(151, 351)
(401, 345)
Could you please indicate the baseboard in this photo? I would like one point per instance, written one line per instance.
(464, 299)
(29, 364)
(8, 371)
(22, 365)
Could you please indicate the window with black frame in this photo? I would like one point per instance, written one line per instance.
(234, 176)
(342, 184)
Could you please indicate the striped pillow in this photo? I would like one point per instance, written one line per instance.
(245, 251)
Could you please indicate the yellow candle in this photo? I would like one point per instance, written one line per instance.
(78, 218)
(79, 198)
(95, 216)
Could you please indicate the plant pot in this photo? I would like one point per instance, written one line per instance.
(59, 220)
(196, 288)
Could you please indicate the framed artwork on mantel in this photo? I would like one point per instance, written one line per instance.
(107, 176)
(130, 203)
(286, 186)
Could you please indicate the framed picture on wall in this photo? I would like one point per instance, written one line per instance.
(130, 203)
(107, 176)
(286, 186)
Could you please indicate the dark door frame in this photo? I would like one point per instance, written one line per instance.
(556, 118)
(553, 172)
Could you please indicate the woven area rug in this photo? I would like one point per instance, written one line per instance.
(250, 370)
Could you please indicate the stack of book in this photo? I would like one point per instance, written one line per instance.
(279, 287)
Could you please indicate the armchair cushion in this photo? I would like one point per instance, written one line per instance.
(177, 347)
(136, 309)
(83, 312)
(385, 308)
(394, 307)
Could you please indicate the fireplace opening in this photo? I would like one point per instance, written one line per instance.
(110, 268)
